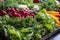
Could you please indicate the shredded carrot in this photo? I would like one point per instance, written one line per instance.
(54, 13)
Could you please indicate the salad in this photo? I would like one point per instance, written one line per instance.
(24, 20)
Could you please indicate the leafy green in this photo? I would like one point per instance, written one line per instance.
(27, 2)
(8, 3)
(27, 28)
(49, 5)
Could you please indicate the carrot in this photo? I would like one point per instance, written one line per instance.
(54, 13)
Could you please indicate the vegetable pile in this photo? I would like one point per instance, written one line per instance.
(27, 28)
(24, 20)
